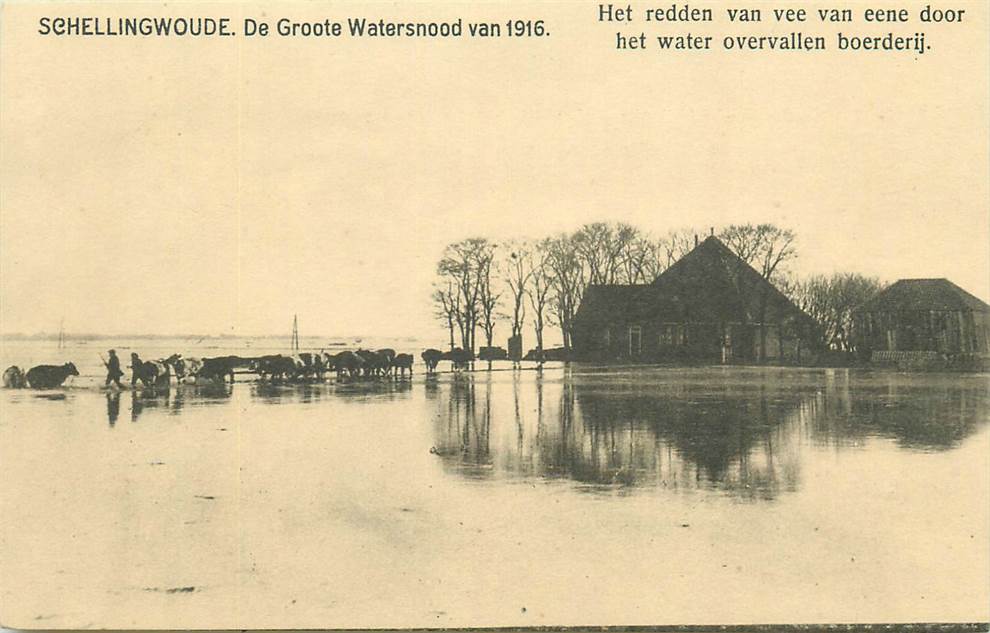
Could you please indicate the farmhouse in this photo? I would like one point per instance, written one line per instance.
(922, 315)
(710, 306)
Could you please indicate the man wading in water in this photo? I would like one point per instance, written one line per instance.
(113, 369)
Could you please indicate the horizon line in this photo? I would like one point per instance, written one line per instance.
(96, 336)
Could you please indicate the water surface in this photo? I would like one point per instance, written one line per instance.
(573, 496)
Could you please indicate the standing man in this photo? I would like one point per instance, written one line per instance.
(136, 373)
(113, 369)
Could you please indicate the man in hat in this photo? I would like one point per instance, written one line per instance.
(136, 366)
(113, 369)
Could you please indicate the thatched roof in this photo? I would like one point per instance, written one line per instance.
(912, 295)
(713, 282)
(709, 283)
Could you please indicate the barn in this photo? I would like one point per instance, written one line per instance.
(710, 306)
(918, 316)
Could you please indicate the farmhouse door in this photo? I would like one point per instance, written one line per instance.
(635, 341)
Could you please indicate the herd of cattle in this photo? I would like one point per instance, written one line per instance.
(270, 368)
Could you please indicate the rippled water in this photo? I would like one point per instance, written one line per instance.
(577, 495)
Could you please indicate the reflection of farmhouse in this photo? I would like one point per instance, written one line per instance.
(923, 315)
(709, 306)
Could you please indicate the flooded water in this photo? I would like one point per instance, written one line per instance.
(578, 495)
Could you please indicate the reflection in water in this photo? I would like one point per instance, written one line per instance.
(113, 407)
(149, 398)
(210, 393)
(741, 432)
(465, 434)
(713, 431)
(310, 393)
(926, 415)
(170, 400)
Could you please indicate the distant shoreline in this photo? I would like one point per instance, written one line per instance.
(45, 336)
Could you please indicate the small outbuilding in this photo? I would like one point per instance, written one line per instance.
(922, 315)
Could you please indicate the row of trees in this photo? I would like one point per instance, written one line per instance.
(543, 281)
(830, 300)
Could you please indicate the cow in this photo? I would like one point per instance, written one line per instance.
(151, 373)
(373, 362)
(222, 366)
(185, 369)
(388, 355)
(309, 365)
(14, 378)
(274, 367)
(162, 372)
(431, 357)
(459, 358)
(403, 362)
(492, 353)
(347, 363)
(317, 364)
(50, 376)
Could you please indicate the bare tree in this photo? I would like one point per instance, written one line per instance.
(568, 281)
(539, 285)
(603, 248)
(488, 296)
(466, 266)
(767, 248)
(643, 260)
(830, 300)
(676, 244)
(516, 270)
(447, 309)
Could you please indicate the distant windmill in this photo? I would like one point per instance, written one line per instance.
(295, 333)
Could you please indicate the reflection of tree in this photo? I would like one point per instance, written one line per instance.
(464, 433)
(738, 433)
(725, 440)
(678, 439)
(920, 412)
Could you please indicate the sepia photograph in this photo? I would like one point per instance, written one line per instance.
(439, 315)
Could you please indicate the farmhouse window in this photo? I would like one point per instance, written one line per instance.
(672, 335)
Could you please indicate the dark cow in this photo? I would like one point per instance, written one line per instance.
(373, 362)
(403, 363)
(222, 366)
(347, 364)
(459, 358)
(492, 353)
(328, 361)
(50, 376)
(14, 378)
(388, 356)
(431, 357)
(274, 367)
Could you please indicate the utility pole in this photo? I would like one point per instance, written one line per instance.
(295, 333)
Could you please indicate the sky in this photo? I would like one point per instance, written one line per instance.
(221, 186)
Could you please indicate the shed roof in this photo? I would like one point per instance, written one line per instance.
(909, 295)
